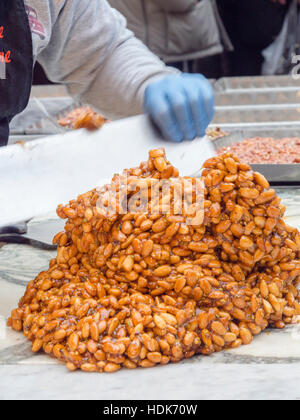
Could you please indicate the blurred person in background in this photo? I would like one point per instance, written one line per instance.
(252, 25)
(178, 31)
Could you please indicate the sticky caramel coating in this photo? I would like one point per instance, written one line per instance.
(139, 290)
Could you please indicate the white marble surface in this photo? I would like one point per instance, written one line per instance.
(267, 369)
(237, 381)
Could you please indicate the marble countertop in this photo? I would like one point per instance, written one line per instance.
(267, 369)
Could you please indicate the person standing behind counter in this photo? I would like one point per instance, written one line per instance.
(252, 26)
(86, 46)
(177, 31)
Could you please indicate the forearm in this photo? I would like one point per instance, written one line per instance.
(119, 85)
(99, 60)
(86, 46)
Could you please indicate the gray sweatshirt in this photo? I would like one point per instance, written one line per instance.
(85, 45)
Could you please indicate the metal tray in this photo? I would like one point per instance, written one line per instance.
(49, 123)
(262, 82)
(278, 128)
(257, 114)
(275, 130)
(276, 174)
(282, 174)
(258, 97)
(24, 123)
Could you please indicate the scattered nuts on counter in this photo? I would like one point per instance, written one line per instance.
(216, 133)
(146, 289)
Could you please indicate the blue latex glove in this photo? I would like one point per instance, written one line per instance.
(181, 106)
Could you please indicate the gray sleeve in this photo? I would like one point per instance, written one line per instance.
(99, 60)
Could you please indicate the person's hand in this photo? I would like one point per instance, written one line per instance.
(181, 106)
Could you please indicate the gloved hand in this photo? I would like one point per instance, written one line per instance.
(181, 106)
